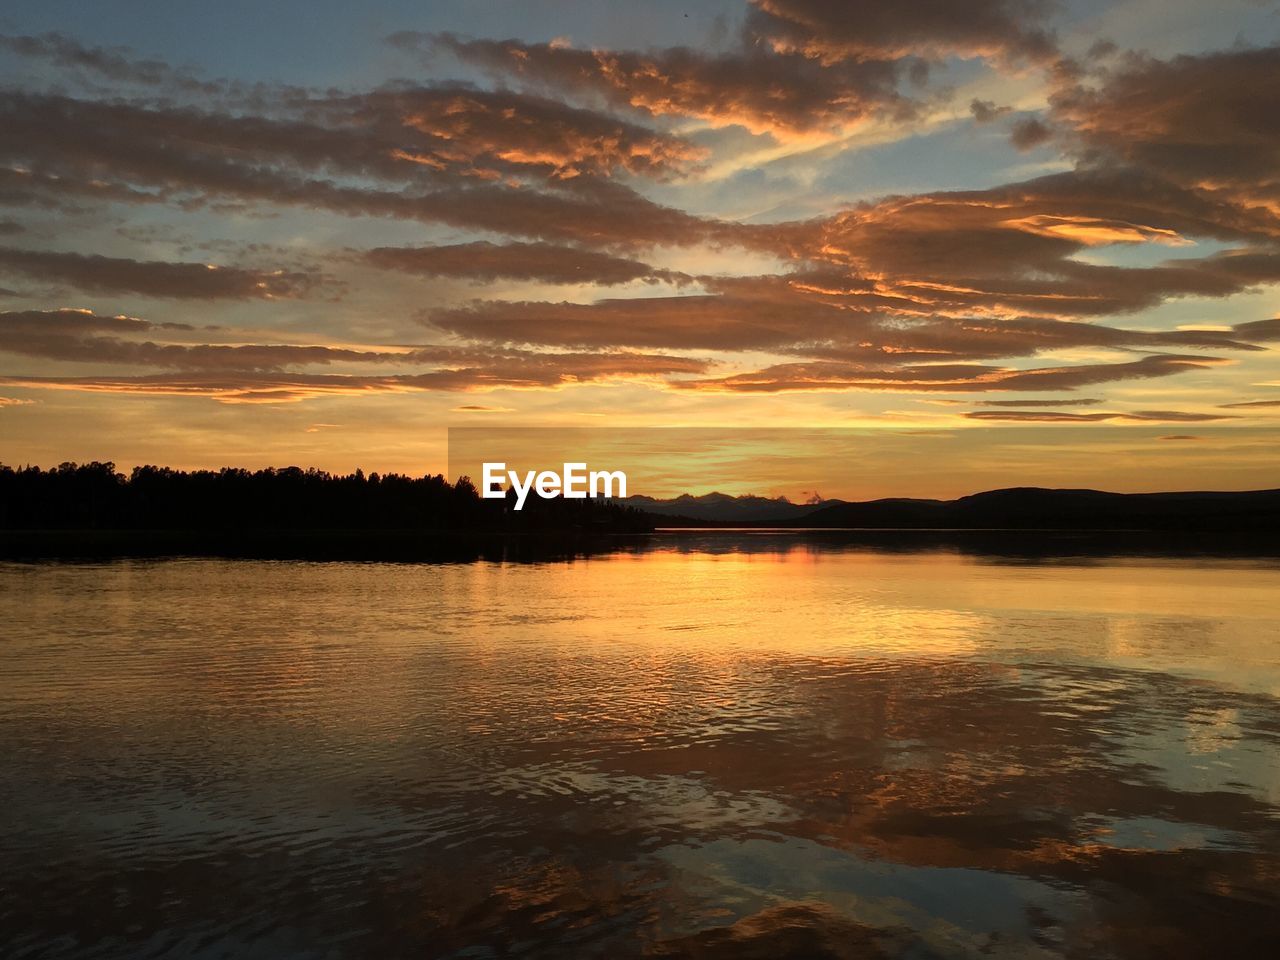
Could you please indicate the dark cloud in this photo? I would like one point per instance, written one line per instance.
(1210, 121)
(985, 111)
(115, 64)
(153, 278)
(80, 335)
(22, 187)
(405, 133)
(835, 30)
(682, 322)
(484, 261)
(69, 321)
(1029, 132)
(1263, 330)
(1250, 404)
(1179, 436)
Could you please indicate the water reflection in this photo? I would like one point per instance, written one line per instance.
(841, 752)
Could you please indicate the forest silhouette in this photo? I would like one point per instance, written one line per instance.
(95, 496)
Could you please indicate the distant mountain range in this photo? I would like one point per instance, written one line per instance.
(721, 507)
(1019, 508)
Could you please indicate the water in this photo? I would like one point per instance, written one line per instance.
(702, 748)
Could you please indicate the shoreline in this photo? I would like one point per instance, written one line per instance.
(457, 546)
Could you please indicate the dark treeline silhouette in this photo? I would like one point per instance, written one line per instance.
(95, 496)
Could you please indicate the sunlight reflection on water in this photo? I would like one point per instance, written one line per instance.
(669, 752)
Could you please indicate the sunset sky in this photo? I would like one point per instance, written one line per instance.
(1003, 241)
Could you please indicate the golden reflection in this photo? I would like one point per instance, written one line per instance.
(713, 750)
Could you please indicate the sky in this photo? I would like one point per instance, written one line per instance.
(995, 243)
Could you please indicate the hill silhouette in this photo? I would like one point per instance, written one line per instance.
(1032, 508)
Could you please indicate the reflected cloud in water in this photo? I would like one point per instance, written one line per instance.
(835, 751)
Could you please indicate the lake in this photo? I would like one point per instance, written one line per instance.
(704, 746)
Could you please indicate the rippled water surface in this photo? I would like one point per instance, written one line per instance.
(738, 751)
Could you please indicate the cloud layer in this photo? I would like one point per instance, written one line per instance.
(569, 167)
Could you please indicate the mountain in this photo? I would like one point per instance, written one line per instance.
(723, 508)
(1014, 508)
(1039, 508)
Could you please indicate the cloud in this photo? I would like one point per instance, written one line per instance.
(267, 372)
(679, 322)
(487, 133)
(1046, 416)
(832, 31)
(945, 378)
(226, 371)
(1210, 121)
(1012, 250)
(153, 278)
(1249, 404)
(403, 132)
(819, 314)
(115, 64)
(371, 155)
(787, 95)
(83, 336)
(483, 261)
(480, 408)
(1081, 402)
(985, 111)
(1263, 330)
(932, 292)
(1179, 436)
(1029, 132)
(14, 402)
(801, 69)
(542, 371)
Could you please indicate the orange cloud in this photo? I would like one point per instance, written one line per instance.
(1059, 416)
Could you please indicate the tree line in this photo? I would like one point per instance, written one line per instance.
(95, 496)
